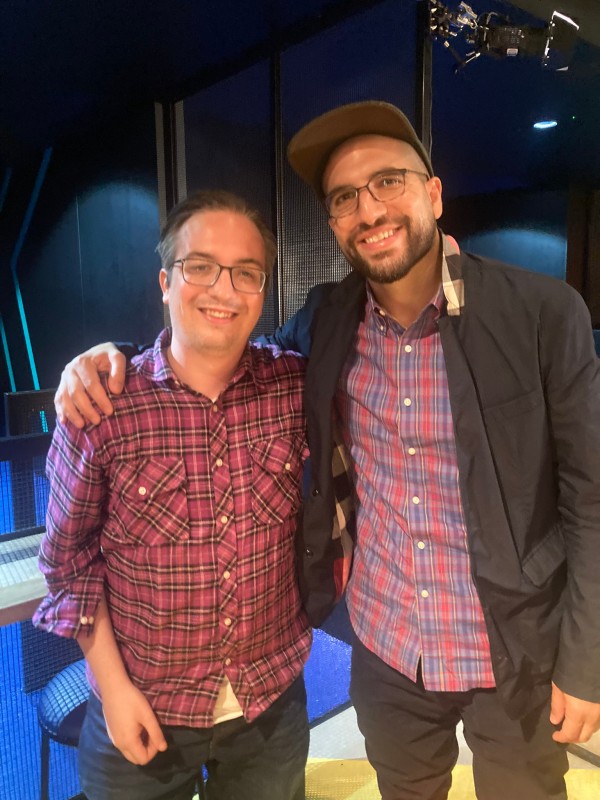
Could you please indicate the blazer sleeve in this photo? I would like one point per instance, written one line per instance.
(296, 334)
(571, 373)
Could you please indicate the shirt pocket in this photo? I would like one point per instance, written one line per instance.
(276, 478)
(149, 502)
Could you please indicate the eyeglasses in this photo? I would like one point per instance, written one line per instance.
(382, 187)
(202, 272)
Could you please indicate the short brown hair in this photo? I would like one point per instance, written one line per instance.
(213, 200)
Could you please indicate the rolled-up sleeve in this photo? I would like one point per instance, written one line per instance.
(70, 554)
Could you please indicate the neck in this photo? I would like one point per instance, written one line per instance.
(405, 298)
(207, 373)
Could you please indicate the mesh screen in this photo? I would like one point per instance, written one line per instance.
(20, 733)
(24, 493)
(44, 655)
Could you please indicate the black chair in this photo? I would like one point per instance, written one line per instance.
(61, 711)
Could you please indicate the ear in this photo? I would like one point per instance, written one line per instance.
(434, 189)
(163, 279)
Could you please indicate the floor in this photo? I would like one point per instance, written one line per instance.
(339, 738)
(337, 767)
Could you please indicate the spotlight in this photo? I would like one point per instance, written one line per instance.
(494, 35)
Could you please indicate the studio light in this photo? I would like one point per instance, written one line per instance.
(493, 34)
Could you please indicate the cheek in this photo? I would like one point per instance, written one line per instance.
(341, 237)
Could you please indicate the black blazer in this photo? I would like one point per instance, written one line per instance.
(524, 383)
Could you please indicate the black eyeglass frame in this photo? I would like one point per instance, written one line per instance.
(358, 189)
(180, 262)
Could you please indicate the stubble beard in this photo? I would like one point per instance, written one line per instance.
(386, 267)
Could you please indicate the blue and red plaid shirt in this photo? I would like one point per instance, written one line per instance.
(185, 511)
(411, 596)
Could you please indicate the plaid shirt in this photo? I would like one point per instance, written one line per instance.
(185, 510)
(411, 595)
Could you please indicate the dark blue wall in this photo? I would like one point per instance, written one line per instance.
(87, 268)
(523, 227)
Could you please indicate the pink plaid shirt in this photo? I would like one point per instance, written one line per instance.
(411, 596)
(186, 510)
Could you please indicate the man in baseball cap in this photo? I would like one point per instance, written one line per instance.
(471, 594)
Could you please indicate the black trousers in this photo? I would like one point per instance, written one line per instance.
(410, 736)
(263, 759)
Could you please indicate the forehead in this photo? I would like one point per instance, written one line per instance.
(358, 158)
(226, 236)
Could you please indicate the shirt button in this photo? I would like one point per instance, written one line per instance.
(227, 662)
(227, 574)
(215, 407)
(287, 466)
(142, 491)
(407, 401)
(227, 622)
(84, 620)
(421, 545)
(219, 462)
(224, 519)
(408, 348)
(424, 593)
(90, 620)
(416, 500)
(411, 451)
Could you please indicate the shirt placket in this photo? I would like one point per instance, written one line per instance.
(413, 414)
(225, 539)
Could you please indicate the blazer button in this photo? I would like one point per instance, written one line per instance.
(315, 492)
(308, 552)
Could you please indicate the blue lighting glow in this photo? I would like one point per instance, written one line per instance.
(543, 124)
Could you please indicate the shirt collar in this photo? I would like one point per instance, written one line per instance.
(154, 363)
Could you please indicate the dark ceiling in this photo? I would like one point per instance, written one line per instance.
(67, 65)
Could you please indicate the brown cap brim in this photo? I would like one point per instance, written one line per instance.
(309, 150)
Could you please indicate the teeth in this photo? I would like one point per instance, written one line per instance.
(379, 237)
(219, 314)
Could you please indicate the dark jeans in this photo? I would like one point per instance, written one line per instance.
(410, 736)
(265, 759)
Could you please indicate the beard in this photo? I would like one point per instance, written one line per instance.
(388, 267)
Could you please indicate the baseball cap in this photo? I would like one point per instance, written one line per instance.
(309, 150)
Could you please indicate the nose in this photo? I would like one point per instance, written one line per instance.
(369, 209)
(223, 286)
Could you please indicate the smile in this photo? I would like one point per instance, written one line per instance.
(215, 313)
(378, 237)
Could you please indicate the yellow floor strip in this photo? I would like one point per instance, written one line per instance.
(328, 779)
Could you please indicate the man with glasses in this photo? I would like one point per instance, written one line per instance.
(169, 551)
(468, 392)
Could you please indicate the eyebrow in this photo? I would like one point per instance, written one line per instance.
(210, 257)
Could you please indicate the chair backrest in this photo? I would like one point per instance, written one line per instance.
(44, 655)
